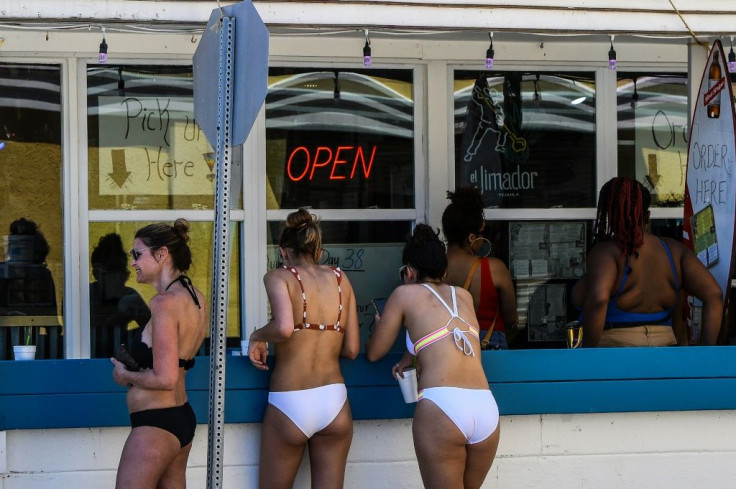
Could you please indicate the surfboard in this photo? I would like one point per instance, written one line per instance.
(710, 186)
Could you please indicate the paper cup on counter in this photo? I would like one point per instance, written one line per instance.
(409, 386)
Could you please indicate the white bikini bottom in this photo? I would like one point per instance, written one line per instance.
(311, 410)
(474, 411)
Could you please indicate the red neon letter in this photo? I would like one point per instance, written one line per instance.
(316, 159)
(359, 154)
(288, 164)
(338, 161)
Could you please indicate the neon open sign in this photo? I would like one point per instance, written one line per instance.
(342, 163)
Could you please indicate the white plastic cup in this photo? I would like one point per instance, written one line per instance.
(244, 348)
(24, 352)
(408, 386)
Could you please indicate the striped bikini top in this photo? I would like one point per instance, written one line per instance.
(459, 335)
(318, 327)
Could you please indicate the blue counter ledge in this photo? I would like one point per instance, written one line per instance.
(81, 393)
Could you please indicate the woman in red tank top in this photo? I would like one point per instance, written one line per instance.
(487, 278)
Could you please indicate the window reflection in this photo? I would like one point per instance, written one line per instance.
(30, 197)
(146, 150)
(340, 139)
(119, 305)
(526, 139)
(653, 133)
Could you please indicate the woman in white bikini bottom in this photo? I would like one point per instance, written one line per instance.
(474, 411)
(311, 410)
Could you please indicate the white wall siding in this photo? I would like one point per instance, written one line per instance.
(677, 450)
(651, 16)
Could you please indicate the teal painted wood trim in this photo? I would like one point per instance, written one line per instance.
(81, 393)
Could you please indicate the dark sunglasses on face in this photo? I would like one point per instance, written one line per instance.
(135, 254)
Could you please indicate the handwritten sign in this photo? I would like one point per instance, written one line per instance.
(152, 146)
(661, 136)
(710, 189)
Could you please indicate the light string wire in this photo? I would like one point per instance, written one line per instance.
(687, 26)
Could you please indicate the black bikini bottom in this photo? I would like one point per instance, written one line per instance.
(180, 421)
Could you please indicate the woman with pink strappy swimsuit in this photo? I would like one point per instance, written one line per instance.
(314, 323)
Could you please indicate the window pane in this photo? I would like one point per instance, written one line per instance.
(119, 305)
(545, 259)
(32, 273)
(527, 140)
(653, 133)
(340, 139)
(145, 149)
(369, 252)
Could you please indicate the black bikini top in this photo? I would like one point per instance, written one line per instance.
(186, 282)
(142, 353)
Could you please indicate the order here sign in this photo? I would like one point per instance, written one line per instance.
(710, 187)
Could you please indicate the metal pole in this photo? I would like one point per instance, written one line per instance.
(221, 255)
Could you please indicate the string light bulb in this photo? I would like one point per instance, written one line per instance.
(102, 58)
(490, 53)
(612, 57)
(731, 59)
(367, 51)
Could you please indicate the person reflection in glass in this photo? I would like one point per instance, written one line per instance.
(113, 306)
(26, 285)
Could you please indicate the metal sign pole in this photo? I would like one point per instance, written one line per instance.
(221, 255)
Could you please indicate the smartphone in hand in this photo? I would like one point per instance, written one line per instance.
(124, 357)
(379, 304)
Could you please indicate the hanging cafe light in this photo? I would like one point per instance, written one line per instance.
(490, 53)
(367, 51)
(102, 57)
(612, 57)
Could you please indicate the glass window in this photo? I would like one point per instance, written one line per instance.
(369, 252)
(340, 139)
(145, 149)
(545, 259)
(32, 267)
(653, 133)
(119, 305)
(527, 140)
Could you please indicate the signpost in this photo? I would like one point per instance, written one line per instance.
(710, 187)
(230, 83)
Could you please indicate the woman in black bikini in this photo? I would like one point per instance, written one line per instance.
(157, 449)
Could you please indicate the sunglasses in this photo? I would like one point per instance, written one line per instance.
(135, 254)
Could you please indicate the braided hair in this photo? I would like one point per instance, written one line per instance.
(623, 212)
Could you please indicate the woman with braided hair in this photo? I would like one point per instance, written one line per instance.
(634, 278)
